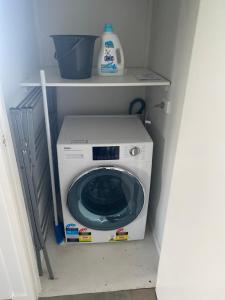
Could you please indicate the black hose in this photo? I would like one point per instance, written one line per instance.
(133, 103)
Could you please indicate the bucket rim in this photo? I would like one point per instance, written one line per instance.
(74, 35)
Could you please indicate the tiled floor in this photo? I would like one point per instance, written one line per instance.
(143, 294)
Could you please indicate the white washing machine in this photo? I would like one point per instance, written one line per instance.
(105, 171)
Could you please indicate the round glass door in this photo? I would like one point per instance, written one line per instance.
(105, 198)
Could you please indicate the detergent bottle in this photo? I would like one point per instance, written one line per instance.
(111, 57)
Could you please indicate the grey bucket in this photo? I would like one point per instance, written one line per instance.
(75, 55)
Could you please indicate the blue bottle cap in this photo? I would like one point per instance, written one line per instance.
(108, 27)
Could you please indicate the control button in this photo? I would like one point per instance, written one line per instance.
(135, 151)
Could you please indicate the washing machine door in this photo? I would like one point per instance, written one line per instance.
(105, 198)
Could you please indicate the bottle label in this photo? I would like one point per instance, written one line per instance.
(109, 44)
(109, 66)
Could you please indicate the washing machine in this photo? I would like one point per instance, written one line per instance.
(105, 172)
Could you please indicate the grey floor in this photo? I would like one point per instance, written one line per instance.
(143, 294)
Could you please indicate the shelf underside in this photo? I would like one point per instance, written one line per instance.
(132, 77)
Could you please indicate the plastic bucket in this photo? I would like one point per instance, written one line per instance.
(75, 55)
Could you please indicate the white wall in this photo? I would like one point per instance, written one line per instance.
(6, 290)
(18, 58)
(192, 257)
(18, 48)
(96, 100)
(18, 279)
(173, 27)
(131, 19)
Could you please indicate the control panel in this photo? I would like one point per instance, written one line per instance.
(106, 153)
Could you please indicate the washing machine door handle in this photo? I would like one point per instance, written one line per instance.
(105, 198)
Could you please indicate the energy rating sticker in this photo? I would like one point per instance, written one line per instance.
(85, 237)
(72, 230)
(121, 236)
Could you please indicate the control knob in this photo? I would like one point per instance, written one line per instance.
(134, 151)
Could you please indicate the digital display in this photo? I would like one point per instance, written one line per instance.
(106, 153)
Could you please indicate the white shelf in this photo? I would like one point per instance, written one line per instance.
(129, 79)
(83, 269)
